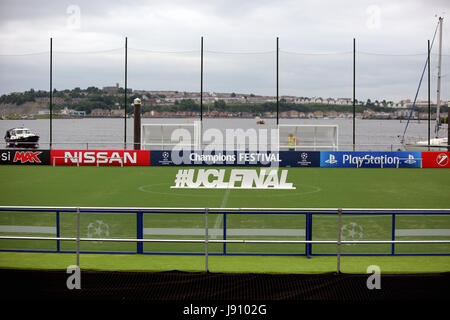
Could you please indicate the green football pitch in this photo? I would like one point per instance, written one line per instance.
(150, 187)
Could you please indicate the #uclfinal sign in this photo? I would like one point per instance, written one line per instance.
(238, 179)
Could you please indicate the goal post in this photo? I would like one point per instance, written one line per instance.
(165, 136)
(308, 137)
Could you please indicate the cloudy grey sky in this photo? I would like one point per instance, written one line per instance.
(239, 41)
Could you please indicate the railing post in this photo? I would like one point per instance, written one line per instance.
(78, 237)
(224, 233)
(393, 234)
(339, 241)
(206, 240)
(308, 235)
(58, 232)
(139, 232)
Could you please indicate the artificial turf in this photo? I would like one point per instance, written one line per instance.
(150, 187)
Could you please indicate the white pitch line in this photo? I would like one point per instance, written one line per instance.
(422, 232)
(230, 232)
(27, 229)
(219, 216)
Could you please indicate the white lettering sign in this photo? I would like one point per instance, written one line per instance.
(238, 179)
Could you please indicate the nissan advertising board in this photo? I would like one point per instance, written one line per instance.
(100, 157)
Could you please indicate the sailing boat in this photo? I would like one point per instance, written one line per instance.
(436, 144)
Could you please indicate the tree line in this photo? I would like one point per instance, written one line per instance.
(95, 98)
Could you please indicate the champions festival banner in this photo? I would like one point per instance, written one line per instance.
(235, 158)
(370, 159)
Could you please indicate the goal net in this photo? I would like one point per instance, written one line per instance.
(308, 137)
(165, 136)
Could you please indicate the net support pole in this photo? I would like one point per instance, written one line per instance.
(429, 97)
(278, 100)
(78, 237)
(206, 240)
(125, 96)
(51, 92)
(201, 80)
(338, 269)
(354, 94)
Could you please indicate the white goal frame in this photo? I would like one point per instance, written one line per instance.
(314, 146)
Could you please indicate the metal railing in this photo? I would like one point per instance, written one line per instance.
(307, 212)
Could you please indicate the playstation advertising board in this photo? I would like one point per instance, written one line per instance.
(235, 158)
(370, 159)
(25, 157)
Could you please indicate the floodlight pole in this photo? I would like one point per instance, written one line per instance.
(51, 90)
(278, 102)
(354, 89)
(125, 102)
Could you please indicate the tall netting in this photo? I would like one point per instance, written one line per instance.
(315, 78)
(241, 86)
(239, 92)
(24, 83)
(101, 75)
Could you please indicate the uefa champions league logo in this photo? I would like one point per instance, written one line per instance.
(98, 229)
(352, 232)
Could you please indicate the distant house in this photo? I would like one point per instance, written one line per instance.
(318, 114)
(100, 113)
(118, 112)
(344, 101)
(330, 101)
(293, 114)
(317, 100)
(150, 114)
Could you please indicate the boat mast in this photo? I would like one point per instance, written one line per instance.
(438, 99)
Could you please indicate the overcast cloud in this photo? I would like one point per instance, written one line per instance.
(399, 29)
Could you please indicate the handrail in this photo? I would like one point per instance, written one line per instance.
(139, 240)
(221, 210)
